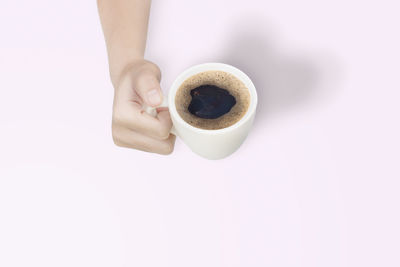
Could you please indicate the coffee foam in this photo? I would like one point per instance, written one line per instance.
(223, 80)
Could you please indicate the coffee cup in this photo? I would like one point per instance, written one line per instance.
(211, 143)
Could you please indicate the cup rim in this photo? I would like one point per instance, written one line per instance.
(193, 70)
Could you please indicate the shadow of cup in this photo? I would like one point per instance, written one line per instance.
(283, 81)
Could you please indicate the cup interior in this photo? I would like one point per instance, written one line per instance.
(211, 67)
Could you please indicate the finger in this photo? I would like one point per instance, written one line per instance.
(147, 86)
(130, 115)
(164, 117)
(161, 109)
(127, 138)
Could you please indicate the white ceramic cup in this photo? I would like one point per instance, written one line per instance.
(211, 144)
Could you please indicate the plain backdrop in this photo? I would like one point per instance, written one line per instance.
(316, 183)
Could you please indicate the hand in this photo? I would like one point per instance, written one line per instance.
(132, 127)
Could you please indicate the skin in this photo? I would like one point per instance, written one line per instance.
(136, 81)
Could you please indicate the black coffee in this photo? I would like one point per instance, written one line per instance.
(212, 100)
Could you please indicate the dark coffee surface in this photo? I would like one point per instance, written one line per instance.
(210, 101)
(200, 104)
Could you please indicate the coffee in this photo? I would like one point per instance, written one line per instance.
(212, 100)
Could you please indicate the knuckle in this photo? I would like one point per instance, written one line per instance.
(146, 80)
(148, 73)
(167, 149)
(118, 118)
(122, 120)
(154, 68)
(163, 133)
(115, 137)
(157, 71)
(117, 142)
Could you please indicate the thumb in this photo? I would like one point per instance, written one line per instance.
(148, 88)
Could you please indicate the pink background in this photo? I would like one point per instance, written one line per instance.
(315, 184)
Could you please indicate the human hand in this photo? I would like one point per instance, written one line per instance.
(132, 127)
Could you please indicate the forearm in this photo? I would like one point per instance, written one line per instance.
(124, 24)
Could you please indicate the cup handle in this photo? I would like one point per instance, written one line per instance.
(152, 111)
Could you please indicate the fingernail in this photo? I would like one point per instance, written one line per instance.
(154, 97)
